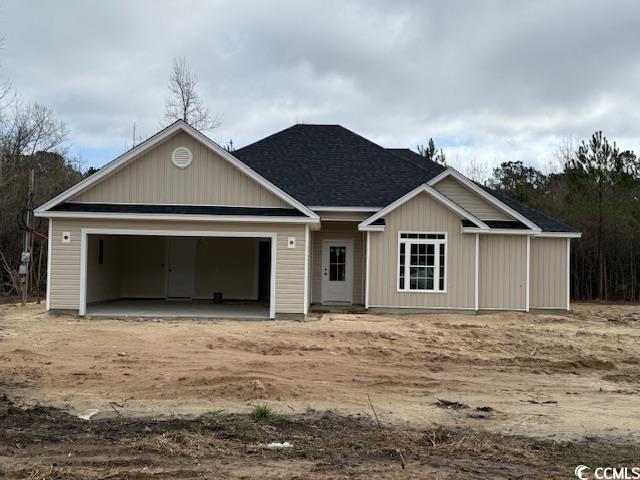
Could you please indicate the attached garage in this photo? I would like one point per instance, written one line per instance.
(171, 273)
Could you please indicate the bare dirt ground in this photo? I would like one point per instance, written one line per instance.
(560, 390)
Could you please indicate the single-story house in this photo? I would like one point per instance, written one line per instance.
(314, 214)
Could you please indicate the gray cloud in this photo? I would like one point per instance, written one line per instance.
(490, 81)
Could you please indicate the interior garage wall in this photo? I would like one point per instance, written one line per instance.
(549, 273)
(227, 265)
(103, 280)
(143, 267)
(502, 272)
(337, 231)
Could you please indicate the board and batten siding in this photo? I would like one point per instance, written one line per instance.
(469, 200)
(549, 273)
(338, 231)
(503, 272)
(153, 178)
(422, 214)
(65, 257)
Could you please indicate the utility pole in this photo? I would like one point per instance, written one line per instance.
(25, 258)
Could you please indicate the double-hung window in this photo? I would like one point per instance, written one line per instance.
(422, 262)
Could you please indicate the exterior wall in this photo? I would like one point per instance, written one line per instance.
(65, 257)
(549, 273)
(469, 200)
(422, 214)
(502, 273)
(338, 231)
(209, 180)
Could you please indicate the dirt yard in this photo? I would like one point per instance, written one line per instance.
(530, 391)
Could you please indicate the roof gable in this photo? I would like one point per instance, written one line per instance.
(198, 141)
(470, 200)
(152, 178)
(370, 223)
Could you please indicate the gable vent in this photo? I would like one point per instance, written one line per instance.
(182, 157)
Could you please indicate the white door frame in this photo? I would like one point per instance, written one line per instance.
(85, 232)
(348, 269)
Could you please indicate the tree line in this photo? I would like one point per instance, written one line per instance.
(596, 192)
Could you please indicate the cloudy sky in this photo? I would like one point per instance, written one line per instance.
(489, 81)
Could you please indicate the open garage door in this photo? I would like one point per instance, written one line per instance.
(178, 274)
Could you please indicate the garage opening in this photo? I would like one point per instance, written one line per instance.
(178, 276)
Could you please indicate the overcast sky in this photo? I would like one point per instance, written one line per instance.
(490, 81)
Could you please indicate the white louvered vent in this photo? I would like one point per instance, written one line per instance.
(182, 157)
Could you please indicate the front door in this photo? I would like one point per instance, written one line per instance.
(181, 258)
(337, 271)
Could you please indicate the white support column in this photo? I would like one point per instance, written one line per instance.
(477, 273)
(568, 274)
(306, 269)
(367, 271)
(528, 270)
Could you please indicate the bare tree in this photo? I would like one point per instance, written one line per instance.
(6, 92)
(184, 102)
(476, 170)
(28, 129)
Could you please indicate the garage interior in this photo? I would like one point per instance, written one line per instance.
(174, 276)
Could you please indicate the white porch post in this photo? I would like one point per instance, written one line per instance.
(477, 272)
(368, 260)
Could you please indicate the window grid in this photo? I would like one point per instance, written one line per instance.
(422, 262)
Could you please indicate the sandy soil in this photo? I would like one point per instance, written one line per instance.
(546, 376)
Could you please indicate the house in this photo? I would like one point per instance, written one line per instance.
(314, 214)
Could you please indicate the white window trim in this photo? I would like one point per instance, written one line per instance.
(436, 265)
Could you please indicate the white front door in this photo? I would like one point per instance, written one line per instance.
(337, 271)
(181, 256)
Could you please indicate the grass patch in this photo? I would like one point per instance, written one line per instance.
(261, 412)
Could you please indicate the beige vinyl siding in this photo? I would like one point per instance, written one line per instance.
(469, 200)
(422, 214)
(65, 258)
(549, 273)
(338, 231)
(209, 180)
(502, 273)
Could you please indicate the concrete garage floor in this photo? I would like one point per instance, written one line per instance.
(159, 308)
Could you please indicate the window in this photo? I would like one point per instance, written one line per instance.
(422, 262)
(337, 263)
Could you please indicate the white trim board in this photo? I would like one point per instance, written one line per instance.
(49, 255)
(345, 209)
(306, 269)
(84, 240)
(424, 188)
(482, 193)
(178, 126)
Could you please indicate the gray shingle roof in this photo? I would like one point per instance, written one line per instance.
(331, 166)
